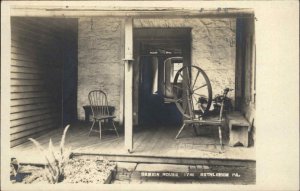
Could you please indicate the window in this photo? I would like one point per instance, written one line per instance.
(175, 67)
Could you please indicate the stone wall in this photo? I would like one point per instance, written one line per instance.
(100, 53)
(213, 47)
(100, 64)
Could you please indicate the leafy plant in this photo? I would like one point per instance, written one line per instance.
(56, 162)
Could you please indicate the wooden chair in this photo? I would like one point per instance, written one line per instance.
(100, 111)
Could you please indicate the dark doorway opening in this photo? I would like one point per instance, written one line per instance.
(44, 75)
(153, 46)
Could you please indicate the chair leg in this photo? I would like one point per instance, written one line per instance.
(100, 129)
(92, 126)
(180, 130)
(115, 127)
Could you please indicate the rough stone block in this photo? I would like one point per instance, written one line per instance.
(129, 167)
(238, 129)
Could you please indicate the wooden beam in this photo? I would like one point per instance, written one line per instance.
(136, 12)
(128, 83)
(169, 160)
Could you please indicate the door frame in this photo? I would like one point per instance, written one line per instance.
(183, 41)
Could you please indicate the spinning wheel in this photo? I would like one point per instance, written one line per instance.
(192, 94)
(192, 91)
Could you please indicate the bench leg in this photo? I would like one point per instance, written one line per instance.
(220, 137)
(180, 130)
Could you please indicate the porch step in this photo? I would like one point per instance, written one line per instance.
(161, 168)
(169, 168)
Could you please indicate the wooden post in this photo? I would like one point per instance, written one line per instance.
(128, 84)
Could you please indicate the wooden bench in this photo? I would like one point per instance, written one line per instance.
(238, 129)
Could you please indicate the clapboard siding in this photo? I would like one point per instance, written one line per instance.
(20, 51)
(25, 82)
(26, 76)
(23, 138)
(27, 70)
(33, 57)
(21, 66)
(24, 95)
(24, 63)
(43, 25)
(16, 89)
(28, 34)
(28, 101)
(33, 125)
(31, 131)
(33, 119)
(22, 108)
(37, 58)
(30, 113)
(31, 34)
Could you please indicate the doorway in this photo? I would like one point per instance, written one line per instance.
(153, 74)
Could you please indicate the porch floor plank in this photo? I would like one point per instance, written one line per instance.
(152, 141)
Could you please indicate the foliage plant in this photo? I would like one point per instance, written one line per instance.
(55, 161)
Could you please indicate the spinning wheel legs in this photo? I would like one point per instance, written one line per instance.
(181, 128)
(192, 123)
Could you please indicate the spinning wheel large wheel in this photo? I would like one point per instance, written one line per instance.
(192, 92)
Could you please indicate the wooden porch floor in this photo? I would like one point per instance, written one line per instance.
(151, 141)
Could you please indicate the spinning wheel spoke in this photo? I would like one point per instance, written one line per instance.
(200, 87)
(195, 80)
(196, 101)
(195, 98)
(198, 94)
